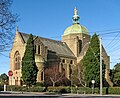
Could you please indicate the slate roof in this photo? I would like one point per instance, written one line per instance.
(59, 47)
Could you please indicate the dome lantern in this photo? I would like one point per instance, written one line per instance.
(75, 17)
(76, 28)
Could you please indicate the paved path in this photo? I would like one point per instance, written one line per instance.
(89, 96)
(51, 95)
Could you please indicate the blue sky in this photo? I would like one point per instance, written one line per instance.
(49, 18)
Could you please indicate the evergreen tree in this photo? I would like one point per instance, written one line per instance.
(111, 74)
(91, 62)
(4, 78)
(116, 75)
(29, 68)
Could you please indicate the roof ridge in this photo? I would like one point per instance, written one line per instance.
(42, 37)
(59, 47)
(50, 39)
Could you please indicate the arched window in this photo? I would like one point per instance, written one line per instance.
(42, 76)
(38, 49)
(79, 46)
(35, 48)
(17, 61)
(63, 61)
(71, 62)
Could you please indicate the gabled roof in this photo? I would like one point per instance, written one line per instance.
(59, 47)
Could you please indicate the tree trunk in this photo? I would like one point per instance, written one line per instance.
(53, 84)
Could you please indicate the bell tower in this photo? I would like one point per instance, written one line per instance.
(76, 36)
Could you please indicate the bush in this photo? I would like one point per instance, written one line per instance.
(68, 89)
(14, 88)
(114, 90)
(24, 88)
(37, 89)
(1, 87)
(63, 89)
(59, 89)
(54, 89)
(40, 84)
(84, 90)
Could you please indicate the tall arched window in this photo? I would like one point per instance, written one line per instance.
(35, 48)
(38, 49)
(42, 76)
(79, 46)
(17, 61)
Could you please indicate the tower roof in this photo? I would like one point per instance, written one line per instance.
(76, 27)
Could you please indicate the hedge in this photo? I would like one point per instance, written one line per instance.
(1, 87)
(79, 90)
(23, 88)
(62, 89)
(114, 90)
(59, 89)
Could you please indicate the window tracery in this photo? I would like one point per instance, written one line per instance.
(17, 61)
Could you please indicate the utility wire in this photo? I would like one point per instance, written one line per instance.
(92, 32)
(4, 55)
(112, 40)
(115, 48)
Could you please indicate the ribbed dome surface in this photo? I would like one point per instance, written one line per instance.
(76, 28)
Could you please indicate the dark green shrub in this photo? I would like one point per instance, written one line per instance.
(1, 87)
(68, 89)
(37, 89)
(73, 89)
(63, 90)
(40, 84)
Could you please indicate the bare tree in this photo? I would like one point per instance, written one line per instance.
(53, 75)
(77, 75)
(7, 24)
(80, 75)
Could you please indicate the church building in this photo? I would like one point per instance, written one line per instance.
(66, 53)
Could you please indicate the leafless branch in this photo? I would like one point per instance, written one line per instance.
(7, 23)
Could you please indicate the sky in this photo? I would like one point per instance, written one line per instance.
(49, 19)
